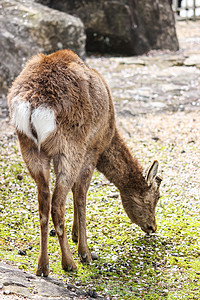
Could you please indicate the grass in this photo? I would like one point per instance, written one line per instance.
(131, 265)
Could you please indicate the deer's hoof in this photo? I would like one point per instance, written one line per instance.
(70, 267)
(85, 257)
(75, 237)
(42, 270)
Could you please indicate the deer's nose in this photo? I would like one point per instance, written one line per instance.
(152, 229)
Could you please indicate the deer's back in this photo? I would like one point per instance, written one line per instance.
(58, 99)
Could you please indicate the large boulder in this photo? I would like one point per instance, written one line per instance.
(128, 27)
(27, 28)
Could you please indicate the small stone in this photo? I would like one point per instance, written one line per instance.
(92, 293)
(60, 45)
(94, 256)
(22, 252)
(52, 232)
(69, 286)
(20, 176)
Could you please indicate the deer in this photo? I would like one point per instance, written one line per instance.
(63, 113)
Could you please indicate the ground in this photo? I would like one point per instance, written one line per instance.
(157, 99)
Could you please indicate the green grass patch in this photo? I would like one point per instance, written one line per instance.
(131, 265)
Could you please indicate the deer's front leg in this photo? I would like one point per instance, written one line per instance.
(75, 218)
(80, 223)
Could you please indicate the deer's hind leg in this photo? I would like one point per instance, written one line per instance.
(39, 167)
(79, 190)
(66, 173)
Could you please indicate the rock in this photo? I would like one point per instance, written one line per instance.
(14, 289)
(6, 292)
(128, 27)
(94, 256)
(193, 60)
(27, 28)
(18, 282)
(48, 289)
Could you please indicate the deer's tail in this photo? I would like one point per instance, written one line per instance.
(37, 124)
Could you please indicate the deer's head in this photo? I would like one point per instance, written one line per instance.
(140, 202)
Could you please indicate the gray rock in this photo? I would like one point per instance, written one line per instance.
(18, 290)
(128, 27)
(18, 282)
(27, 28)
(12, 279)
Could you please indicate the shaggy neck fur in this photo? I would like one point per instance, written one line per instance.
(118, 165)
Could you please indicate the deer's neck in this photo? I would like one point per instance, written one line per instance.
(119, 167)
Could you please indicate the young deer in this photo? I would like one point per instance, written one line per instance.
(63, 111)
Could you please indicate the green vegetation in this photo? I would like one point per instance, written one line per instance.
(131, 265)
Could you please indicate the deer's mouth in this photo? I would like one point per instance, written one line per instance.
(149, 229)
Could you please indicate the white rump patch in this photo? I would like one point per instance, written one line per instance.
(43, 121)
(41, 118)
(21, 116)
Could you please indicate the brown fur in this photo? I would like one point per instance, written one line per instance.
(85, 137)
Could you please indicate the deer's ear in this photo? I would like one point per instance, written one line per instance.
(151, 173)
